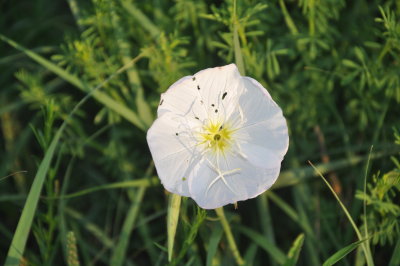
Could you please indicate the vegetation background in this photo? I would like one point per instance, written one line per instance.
(80, 188)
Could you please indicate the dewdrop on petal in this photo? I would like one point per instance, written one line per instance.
(219, 138)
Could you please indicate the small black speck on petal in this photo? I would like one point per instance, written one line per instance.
(224, 95)
(176, 134)
(194, 78)
(212, 105)
(216, 110)
(198, 87)
(161, 102)
(196, 117)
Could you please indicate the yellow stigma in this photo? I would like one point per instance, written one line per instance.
(216, 136)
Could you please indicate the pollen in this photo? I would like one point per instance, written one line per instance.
(216, 136)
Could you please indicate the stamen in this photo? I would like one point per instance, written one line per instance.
(221, 176)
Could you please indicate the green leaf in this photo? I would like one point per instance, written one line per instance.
(350, 63)
(294, 251)
(119, 253)
(160, 247)
(342, 253)
(395, 260)
(215, 238)
(21, 234)
(174, 206)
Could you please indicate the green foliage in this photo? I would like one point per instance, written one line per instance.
(332, 65)
(383, 216)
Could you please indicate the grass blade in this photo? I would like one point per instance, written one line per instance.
(367, 253)
(366, 235)
(119, 253)
(395, 260)
(215, 238)
(144, 182)
(91, 227)
(21, 234)
(294, 251)
(298, 175)
(103, 98)
(340, 254)
(266, 221)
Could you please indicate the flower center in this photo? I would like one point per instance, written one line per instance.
(217, 136)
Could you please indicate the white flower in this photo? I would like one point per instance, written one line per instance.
(219, 137)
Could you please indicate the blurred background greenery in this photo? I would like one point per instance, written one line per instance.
(332, 65)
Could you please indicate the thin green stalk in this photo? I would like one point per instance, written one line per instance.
(236, 43)
(366, 236)
(229, 236)
(143, 182)
(91, 227)
(266, 221)
(119, 253)
(141, 18)
(367, 254)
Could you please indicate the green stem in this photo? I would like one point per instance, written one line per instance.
(229, 236)
(367, 252)
(236, 43)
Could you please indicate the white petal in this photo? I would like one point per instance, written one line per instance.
(219, 90)
(260, 156)
(257, 104)
(263, 134)
(271, 135)
(249, 181)
(182, 98)
(173, 149)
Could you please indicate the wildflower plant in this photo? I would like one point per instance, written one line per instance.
(331, 65)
